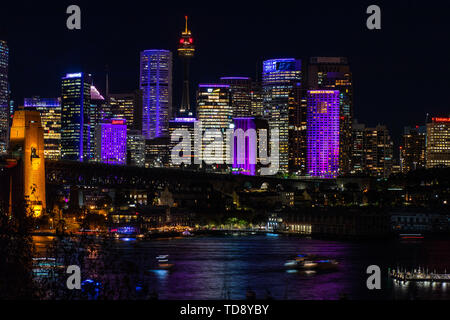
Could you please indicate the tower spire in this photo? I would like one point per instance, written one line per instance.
(186, 18)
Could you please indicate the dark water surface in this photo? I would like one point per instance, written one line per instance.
(210, 267)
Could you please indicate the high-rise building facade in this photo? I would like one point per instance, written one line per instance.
(135, 148)
(257, 100)
(50, 111)
(214, 112)
(281, 82)
(358, 130)
(240, 90)
(127, 106)
(111, 141)
(186, 51)
(156, 84)
(378, 151)
(4, 97)
(438, 143)
(323, 133)
(98, 112)
(333, 73)
(188, 124)
(412, 150)
(245, 146)
(75, 115)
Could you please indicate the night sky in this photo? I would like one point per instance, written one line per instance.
(400, 72)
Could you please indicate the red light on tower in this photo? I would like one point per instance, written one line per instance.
(190, 40)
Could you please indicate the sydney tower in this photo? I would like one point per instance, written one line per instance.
(186, 52)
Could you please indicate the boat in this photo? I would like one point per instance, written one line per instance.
(163, 262)
(186, 233)
(311, 262)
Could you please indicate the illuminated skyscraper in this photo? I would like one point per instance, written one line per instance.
(135, 148)
(183, 124)
(214, 111)
(358, 130)
(111, 141)
(98, 111)
(323, 133)
(245, 146)
(281, 81)
(412, 150)
(75, 114)
(4, 96)
(186, 51)
(333, 73)
(378, 151)
(156, 85)
(50, 111)
(240, 89)
(257, 101)
(127, 106)
(438, 143)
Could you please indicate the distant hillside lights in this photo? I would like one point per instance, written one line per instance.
(247, 143)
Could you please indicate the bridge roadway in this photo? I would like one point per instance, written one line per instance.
(98, 174)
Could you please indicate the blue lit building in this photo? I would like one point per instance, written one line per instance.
(156, 84)
(75, 108)
(4, 96)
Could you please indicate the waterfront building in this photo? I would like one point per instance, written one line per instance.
(75, 115)
(438, 142)
(323, 133)
(50, 111)
(156, 84)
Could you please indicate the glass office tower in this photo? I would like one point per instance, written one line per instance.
(156, 85)
(50, 110)
(75, 109)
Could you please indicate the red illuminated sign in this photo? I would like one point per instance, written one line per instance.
(117, 122)
(441, 119)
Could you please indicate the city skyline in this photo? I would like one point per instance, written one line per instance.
(373, 72)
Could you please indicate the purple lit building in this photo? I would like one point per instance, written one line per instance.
(245, 144)
(111, 142)
(323, 133)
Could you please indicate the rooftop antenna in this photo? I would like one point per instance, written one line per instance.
(186, 18)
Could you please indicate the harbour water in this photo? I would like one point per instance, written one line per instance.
(226, 267)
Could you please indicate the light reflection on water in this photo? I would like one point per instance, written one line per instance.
(206, 267)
